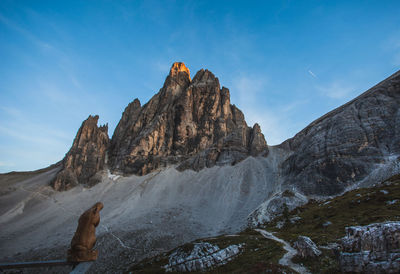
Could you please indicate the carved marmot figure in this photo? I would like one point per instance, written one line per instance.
(85, 236)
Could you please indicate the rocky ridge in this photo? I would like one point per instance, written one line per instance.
(190, 123)
(345, 145)
(86, 157)
(371, 249)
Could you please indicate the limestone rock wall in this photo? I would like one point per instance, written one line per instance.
(371, 249)
(345, 145)
(189, 122)
(86, 157)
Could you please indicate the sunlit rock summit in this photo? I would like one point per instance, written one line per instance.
(188, 123)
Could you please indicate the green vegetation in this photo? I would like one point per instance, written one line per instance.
(258, 255)
(325, 222)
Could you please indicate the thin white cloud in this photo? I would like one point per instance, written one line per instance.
(312, 74)
(162, 66)
(26, 34)
(64, 60)
(46, 137)
(392, 46)
(18, 125)
(294, 105)
(271, 123)
(336, 90)
(396, 59)
(11, 111)
(251, 91)
(6, 164)
(249, 88)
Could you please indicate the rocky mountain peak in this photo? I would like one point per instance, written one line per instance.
(190, 124)
(86, 156)
(178, 68)
(205, 77)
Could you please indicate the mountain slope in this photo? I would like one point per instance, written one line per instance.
(142, 215)
(339, 149)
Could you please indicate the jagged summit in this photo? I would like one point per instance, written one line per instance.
(179, 67)
(86, 156)
(188, 123)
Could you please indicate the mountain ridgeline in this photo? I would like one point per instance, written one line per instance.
(189, 123)
(339, 150)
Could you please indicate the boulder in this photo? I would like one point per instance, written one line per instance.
(306, 248)
(201, 257)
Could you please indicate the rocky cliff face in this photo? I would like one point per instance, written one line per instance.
(371, 249)
(86, 157)
(345, 145)
(189, 122)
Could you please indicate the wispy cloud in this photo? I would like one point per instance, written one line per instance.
(63, 59)
(6, 164)
(164, 67)
(18, 125)
(290, 106)
(336, 90)
(252, 91)
(392, 45)
(396, 59)
(271, 123)
(26, 34)
(249, 88)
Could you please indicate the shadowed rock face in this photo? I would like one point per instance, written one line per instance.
(86, 156)
(345, 145)
(190, 123)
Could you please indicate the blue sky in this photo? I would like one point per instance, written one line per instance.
(286, 63)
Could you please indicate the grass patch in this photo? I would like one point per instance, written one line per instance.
(326, 263)
(325, 222)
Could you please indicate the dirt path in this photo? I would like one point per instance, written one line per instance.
(287, 258)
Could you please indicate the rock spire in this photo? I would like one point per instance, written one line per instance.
(86, 157)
